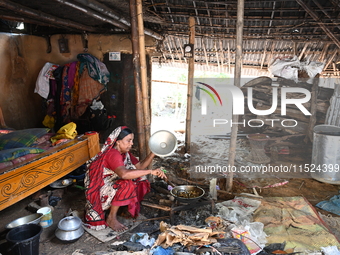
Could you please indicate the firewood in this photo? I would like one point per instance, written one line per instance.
(161, 207)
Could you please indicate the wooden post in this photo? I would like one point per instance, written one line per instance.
(144, 78)
(313, 109)
(191, 69)
(237, 83)
(137, 81)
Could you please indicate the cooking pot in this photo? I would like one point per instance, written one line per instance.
(187, 193)
(70, 229)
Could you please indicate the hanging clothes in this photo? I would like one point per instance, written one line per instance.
(42, 85)
(96, 69)
(71, 88)
(89, 89)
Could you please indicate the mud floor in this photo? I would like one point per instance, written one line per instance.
(177, 166)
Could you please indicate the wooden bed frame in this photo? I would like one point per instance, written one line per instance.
(19, 181)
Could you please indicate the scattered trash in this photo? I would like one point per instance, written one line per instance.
(162, 251)
(185, 235)
(252, 235)
(330, 250)
(142, 238)
(238, 209)
(116, 243)
(78, 252)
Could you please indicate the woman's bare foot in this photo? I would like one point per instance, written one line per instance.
(115, 224)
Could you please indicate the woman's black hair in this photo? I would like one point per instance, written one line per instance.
(123, 133)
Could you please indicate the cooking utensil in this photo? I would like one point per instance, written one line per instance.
(187, 193)
(29, 219)
(163, 143)
(70, 229)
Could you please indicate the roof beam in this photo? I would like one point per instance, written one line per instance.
(103, 9)
(316, 18)
(271, 18)
(44, 16)
(30, 21)
(93, 14)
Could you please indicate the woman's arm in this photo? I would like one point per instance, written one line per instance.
(128, 174)
(145, 162)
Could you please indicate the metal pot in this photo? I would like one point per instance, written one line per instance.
(29, 219)
(70, 229)
(187, 193)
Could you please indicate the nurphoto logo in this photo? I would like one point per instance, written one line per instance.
(214, 89)
(258, 107)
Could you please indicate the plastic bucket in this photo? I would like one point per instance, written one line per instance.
(24, 239)
(46, 219)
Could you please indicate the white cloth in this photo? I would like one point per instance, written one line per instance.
(42, 85)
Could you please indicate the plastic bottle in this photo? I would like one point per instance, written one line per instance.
(68, 181)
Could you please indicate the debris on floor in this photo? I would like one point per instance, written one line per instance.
(332, 205)
(293, 220)
(186, 235)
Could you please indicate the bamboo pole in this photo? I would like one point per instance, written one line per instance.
(237, 83)
(313, 110)
(144, 78)
(136, 76)
(191, 69)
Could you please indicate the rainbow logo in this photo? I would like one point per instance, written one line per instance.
(212, 94)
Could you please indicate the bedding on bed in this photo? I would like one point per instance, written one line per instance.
(17, 146)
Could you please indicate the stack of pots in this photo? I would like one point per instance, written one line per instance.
(70, 229)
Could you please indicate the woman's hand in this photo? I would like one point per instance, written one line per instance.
(159, 173)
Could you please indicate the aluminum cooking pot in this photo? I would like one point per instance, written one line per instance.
(70, 229)
(187, 193)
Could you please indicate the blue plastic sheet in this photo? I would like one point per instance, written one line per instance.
(159, 250)
(332, 205)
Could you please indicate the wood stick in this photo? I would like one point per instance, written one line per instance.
(191, 70)
(162, 207)
(313, 109)
(157, 218)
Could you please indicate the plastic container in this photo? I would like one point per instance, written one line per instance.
(46, 219)
(24, 239)
(326, 154)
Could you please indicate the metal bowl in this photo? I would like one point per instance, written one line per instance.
(187, 193)
(29, 219)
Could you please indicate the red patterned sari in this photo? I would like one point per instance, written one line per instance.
(104, 187)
